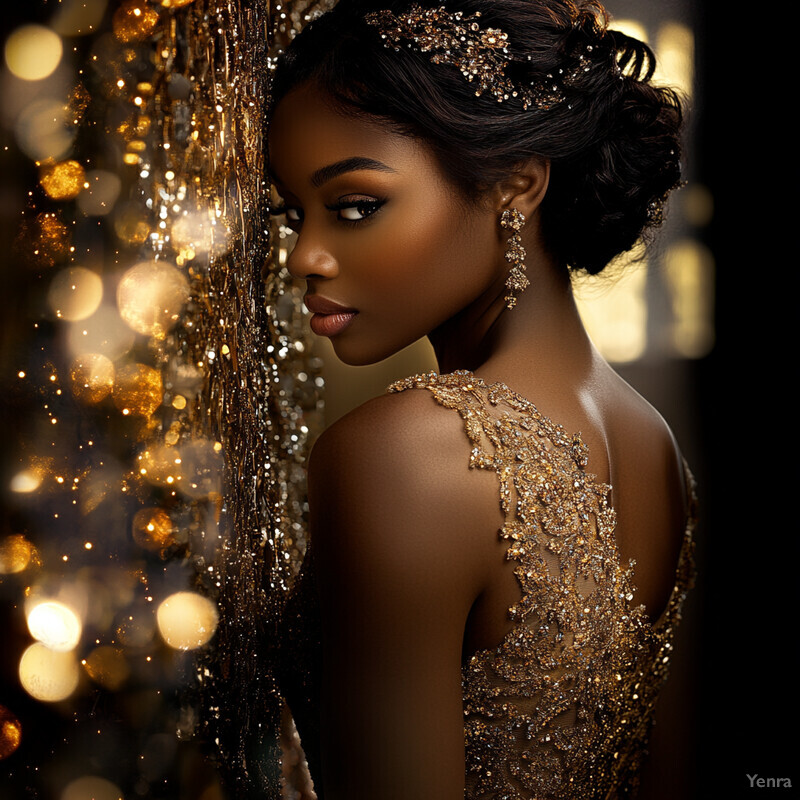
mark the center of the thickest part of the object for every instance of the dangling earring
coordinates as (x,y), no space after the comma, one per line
(517,280)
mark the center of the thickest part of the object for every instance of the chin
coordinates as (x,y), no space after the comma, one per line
(362,354)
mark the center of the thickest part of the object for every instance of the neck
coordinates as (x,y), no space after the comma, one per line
(542,336)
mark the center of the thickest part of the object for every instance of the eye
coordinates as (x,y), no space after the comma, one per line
(294,216)
(356,209)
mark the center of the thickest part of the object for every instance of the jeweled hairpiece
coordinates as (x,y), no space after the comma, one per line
(480,53)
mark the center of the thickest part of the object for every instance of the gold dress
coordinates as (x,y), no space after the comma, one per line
(563,706)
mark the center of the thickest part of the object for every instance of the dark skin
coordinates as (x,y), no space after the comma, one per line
(412,576)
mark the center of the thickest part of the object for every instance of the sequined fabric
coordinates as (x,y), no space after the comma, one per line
(563,706)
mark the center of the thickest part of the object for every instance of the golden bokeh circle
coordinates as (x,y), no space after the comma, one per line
(151,296)
(138,389)
(187,620)
(48,675)
(134,21)
(92,376)
(62,180)
(10,732)
(153,529)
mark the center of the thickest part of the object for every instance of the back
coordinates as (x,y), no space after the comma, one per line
(560,667)
(562,706)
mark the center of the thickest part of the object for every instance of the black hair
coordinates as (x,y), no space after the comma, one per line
(613,141)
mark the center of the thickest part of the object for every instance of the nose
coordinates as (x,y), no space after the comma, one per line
(310,258)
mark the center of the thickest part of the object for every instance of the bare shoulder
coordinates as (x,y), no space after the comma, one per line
(390,486)
(634,420)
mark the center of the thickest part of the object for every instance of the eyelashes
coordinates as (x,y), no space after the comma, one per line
(349,210)
(356,210)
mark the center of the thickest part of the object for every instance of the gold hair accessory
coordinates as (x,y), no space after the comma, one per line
(517,280)
(480,53)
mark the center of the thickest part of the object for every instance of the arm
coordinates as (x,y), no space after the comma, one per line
(399,566)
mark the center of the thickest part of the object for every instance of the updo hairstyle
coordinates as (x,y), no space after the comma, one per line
(613,141)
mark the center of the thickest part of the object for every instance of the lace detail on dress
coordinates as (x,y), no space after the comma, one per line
(563,706)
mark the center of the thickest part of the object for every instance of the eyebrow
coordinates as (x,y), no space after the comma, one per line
(325,174)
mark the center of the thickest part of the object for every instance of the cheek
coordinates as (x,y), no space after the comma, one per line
(442,255)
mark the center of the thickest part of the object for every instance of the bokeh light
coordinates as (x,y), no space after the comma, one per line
(26,481)
(134,20)
(16,554)
(130,224)
(615,314)
(187,620)
(75,293)
(78,17)
(104,332)
(33,52)
(153,529)
(55,625)
(48,675)
(160,464)
(10,732)
(43,130)
(151,296)
(107,667)
(62,180)
(91,787)
(92,377)
(138,389)
(43,241)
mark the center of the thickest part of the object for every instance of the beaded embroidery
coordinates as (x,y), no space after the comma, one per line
(562,708)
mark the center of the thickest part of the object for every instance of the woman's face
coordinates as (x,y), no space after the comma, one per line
(382,234)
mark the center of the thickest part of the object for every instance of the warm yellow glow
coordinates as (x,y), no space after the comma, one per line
(92,376)
(101,193)
(48,675)
(697,204)
(104,332)
(175,3)
(151,296)
(200,232)
(27,480)
(62,180)
(675,55)
(46,240)
(78,17)
(107,667)
(75,293)
(91,787)
(129,224)
(160,463)
(200,469)
(138,389)
(10,732)
(55,625)
(689,271)
(630,27)
(42,131)
(16,554)
(186,620)
(153,529)
(615,313)
(33,52)
(134,20)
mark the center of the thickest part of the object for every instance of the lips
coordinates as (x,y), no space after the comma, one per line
(329,317)
(321,305)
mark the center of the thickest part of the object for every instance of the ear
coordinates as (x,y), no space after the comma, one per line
(525,188)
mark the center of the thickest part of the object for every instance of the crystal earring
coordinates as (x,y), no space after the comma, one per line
(517,280)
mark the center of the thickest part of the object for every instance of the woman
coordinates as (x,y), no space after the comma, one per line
(447,168)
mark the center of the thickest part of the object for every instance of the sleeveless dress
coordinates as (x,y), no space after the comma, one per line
(563,705)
